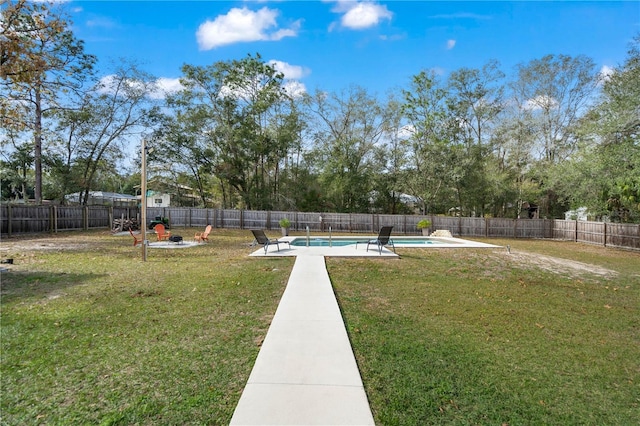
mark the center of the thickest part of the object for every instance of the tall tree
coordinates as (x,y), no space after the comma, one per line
(605,176)
(242,119)
(475,99)
(43,65)
(113,113)
(391,160)
(349,125)
(425,109)
(554,93)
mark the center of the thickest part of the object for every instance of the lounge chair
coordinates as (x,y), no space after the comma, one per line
(203,236)
(263,240)
(161,232)
(384,238)
(136,240)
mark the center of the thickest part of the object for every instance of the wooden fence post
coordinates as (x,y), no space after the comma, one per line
(55,219)
(241,219)
(9,220)
(604,241)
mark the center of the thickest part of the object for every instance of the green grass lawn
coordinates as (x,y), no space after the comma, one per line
(476,337)
(96,336)
(90,334)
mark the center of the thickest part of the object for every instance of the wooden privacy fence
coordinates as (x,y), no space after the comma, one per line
(19,219)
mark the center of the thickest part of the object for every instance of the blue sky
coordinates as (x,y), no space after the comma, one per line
(330,45)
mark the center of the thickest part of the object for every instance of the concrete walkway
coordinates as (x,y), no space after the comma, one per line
(305,373)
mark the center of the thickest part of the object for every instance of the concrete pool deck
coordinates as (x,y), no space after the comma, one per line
(306,372)
(360,250)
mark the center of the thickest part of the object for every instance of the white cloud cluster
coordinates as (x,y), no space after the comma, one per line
(158,89)
(292,73)
(295,88)
(606,72)
(359,15)
(243,25)
(289,71)
(541,102)
(165,86)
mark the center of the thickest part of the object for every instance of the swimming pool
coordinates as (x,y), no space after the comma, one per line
(347,241)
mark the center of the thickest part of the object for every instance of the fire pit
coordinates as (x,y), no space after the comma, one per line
(176,239)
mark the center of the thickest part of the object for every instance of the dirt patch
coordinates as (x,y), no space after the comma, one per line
(557,265)
(45,244)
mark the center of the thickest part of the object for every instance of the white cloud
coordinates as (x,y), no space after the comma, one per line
(406,131)
(360,15)
(289,71)
(393,37)
(451,44)
(158,89)
(165,86)
(292,73)
(101,22)
(541,102)
(606,72)
(294,88)
(243,25)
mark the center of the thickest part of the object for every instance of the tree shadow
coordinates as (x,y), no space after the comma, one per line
(27,284)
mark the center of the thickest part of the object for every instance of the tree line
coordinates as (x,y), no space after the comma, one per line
(551,135)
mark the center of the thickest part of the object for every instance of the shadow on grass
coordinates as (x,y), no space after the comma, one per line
(16,284)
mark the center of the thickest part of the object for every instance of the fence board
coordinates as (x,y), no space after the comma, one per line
(590,232)
(21,219)
(623,235)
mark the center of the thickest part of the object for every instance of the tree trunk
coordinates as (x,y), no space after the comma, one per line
(37,135)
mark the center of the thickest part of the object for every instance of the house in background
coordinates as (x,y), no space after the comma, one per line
(168,194)
(158,199)
(580,213)
(104,198)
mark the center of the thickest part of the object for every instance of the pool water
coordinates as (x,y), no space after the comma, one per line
(340,242)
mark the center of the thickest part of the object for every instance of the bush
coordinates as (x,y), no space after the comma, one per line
(424,223)
(285,223)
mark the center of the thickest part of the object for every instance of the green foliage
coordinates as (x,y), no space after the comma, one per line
(44,65)
(423,223)
(556,134)
(253,126)
(285,223)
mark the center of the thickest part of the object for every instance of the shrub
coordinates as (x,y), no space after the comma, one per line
(424,223)
(285,223)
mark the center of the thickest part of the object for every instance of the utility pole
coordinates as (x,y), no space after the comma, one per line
(143,201)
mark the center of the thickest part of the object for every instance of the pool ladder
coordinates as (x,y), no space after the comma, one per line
(309,238)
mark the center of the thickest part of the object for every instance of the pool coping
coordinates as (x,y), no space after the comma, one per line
(360,249)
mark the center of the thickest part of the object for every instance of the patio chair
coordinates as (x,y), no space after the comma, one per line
(203,236)
(263,240)
(161,232)
(136,240)
(384,238)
